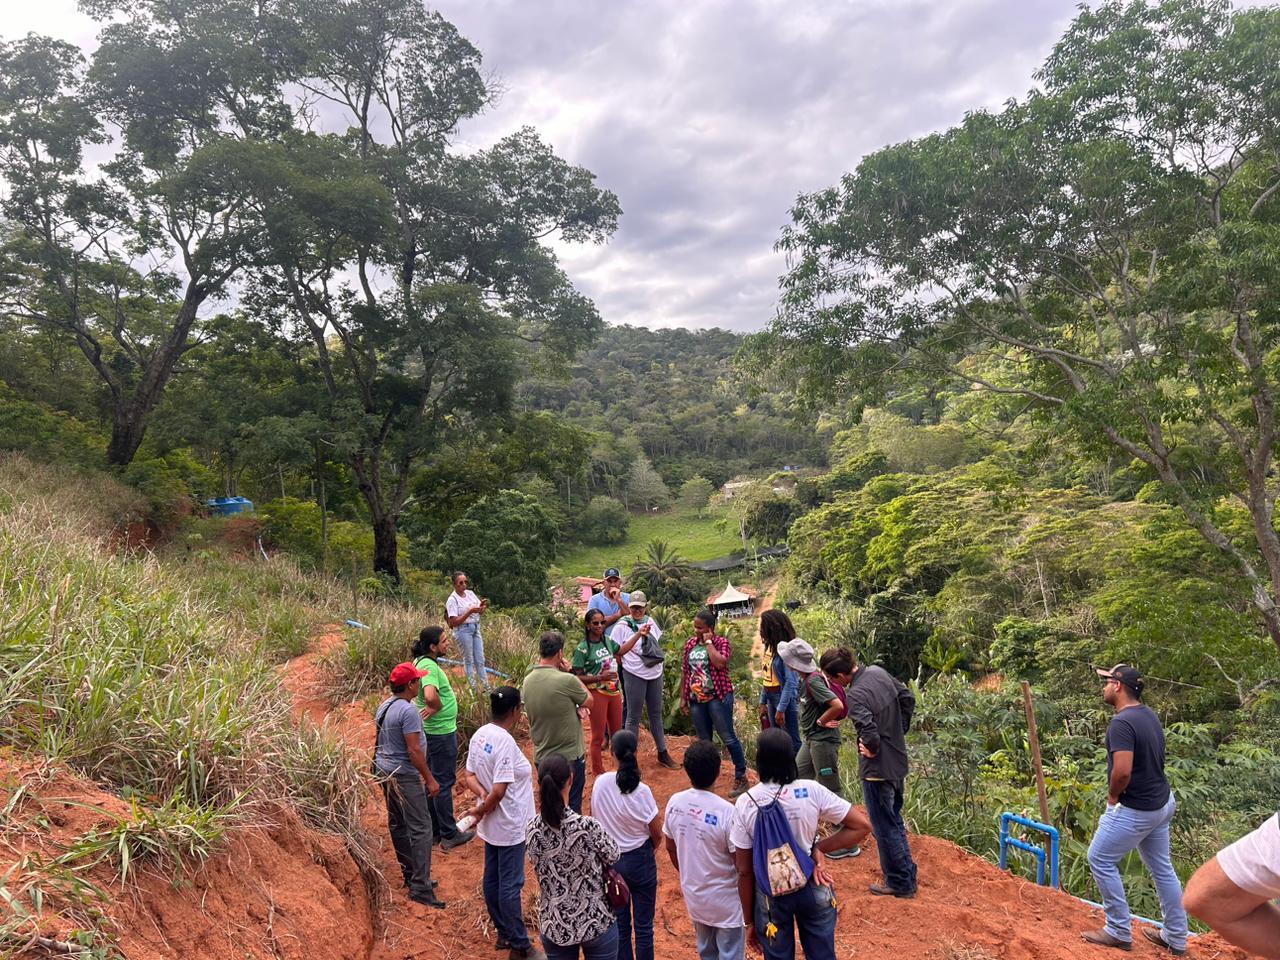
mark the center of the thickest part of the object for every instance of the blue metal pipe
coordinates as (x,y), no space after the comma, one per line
(1147,920)
(459,663)
(1055,845)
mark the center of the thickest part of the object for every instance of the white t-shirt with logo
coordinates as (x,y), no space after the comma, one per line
(631,661)
(805,802)
(699,822)
(495,757)
(624,816)
(458,604)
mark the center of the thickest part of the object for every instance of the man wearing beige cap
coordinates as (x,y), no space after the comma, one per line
(1140,807)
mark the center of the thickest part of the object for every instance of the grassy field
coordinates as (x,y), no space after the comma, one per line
(693,537)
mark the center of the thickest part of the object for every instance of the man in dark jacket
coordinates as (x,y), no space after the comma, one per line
(880,708)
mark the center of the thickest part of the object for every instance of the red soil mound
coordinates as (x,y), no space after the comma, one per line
(289,892)
(281,891)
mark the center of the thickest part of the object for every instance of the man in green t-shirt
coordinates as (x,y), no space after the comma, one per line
(439,708)
(553,702)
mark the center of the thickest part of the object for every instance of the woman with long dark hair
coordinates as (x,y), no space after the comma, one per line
(780,689)
(500,776)
(439,708)
(706,691)
(625,807)
(808,912)
(569,853)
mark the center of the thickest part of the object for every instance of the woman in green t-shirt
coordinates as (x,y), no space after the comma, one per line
(439,708)
(595,662)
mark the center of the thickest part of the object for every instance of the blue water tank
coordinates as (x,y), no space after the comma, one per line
(226,506)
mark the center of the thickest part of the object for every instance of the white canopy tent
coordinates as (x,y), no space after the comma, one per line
(732,602)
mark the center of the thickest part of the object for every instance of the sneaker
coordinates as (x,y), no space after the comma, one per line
(845,854)
(466,836)
(1157,937)
(884,890)
(1104,939)
(740,786)
(664,758)
(528,953)
(502,943)
(429,900)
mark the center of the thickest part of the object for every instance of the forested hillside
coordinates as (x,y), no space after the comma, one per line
(1015,417)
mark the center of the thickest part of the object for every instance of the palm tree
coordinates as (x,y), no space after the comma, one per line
(666,576)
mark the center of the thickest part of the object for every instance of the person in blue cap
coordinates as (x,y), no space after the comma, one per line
(612,602)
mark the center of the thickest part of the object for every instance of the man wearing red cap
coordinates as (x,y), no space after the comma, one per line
(401,764)
(1140,807)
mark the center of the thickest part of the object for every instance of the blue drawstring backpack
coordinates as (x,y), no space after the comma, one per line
(781,865)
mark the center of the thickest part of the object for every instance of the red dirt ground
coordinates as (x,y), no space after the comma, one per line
(289,892)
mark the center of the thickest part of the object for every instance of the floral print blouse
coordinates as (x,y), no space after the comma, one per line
(569,864)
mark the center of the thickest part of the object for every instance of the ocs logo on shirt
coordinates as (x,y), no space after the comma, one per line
(711,819)
(800,792)
(488,748)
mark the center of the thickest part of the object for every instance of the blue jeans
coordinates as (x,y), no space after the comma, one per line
(812,910)
(472,645)
(884,809)
(719,714)
(720,943)
(503,881)
(442,759)
(639,868)
(579,780)
(771,699)
(603,947)
(1120,830)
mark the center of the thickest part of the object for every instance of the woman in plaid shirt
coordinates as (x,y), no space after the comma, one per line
(706,691)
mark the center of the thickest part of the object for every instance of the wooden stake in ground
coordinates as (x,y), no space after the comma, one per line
(1035,752)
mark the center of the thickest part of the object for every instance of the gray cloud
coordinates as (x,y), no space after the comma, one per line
(708,118)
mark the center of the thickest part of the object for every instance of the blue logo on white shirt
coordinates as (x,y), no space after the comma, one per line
(711,818)
(488,748)
(800,792)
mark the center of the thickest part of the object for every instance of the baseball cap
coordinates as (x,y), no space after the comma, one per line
(612,572)
(1123,673)
(638,599)
(798,655)
(403,673)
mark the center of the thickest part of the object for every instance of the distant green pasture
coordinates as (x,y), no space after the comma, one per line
(693,537)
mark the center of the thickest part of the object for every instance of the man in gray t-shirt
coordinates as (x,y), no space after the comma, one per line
(401,764)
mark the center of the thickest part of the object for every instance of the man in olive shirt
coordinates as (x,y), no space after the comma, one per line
(554,703)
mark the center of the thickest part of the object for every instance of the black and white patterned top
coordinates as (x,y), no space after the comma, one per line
(569,866)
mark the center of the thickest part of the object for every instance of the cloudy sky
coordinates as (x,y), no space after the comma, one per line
(708,117)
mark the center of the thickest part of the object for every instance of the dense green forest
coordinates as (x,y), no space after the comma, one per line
(1024,369)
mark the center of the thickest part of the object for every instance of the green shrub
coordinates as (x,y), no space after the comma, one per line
(45,434)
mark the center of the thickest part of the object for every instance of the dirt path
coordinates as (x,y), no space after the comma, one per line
(765,602)
(967,909)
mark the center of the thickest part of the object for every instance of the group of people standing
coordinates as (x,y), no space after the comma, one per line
(751,866)
(614,678)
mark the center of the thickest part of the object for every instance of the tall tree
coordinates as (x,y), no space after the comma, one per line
(1106,248)
(121,255)
(422,279)
(645,488)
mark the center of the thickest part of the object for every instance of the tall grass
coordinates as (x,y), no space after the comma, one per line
(155,682)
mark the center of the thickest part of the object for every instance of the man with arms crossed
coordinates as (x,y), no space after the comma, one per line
(1140,807)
